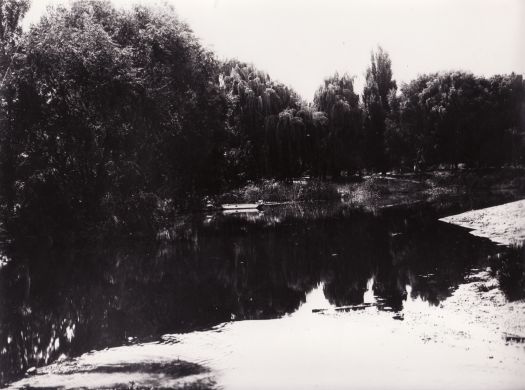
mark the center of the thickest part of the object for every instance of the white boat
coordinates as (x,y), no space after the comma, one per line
(241,206)
(243,211)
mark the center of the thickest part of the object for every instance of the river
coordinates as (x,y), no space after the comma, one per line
(302,296)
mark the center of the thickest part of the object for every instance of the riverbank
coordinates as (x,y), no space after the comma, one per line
(503,224)
(377,191)
(472,340)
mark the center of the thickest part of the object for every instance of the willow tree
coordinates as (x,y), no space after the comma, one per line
(314,149)
(378,86)
(336,97)
(258,105)
(116,111)
(12,13)
(457,117)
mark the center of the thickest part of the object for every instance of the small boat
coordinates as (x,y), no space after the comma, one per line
(242,206)
(242,211)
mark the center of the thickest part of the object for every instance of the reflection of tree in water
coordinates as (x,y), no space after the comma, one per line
(509,267)
(99,296)
(357,246)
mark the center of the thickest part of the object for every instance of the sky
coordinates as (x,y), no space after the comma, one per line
(301,42)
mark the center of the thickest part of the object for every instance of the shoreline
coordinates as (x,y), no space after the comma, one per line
(503,224)
(378,190)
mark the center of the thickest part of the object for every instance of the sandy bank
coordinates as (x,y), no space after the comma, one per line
(503,224)
(465,343)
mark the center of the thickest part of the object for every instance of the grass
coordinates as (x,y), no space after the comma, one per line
(376,191)
(482,178)
(280,191)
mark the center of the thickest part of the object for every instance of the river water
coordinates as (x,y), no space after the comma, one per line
(318,296)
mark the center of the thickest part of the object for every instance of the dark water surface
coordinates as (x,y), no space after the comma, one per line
(229,267)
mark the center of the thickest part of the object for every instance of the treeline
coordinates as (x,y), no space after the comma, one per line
(439,119)
(116,118)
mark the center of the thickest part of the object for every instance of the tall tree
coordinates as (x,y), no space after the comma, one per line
(260,119)
(336,97)
(12,13)
(378,86)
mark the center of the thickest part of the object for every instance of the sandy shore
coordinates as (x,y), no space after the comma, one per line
(457,345)
(503,224)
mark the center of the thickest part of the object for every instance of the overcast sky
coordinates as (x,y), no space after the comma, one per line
(300,42)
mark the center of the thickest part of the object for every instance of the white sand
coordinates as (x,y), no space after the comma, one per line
(503,224)
(457,345)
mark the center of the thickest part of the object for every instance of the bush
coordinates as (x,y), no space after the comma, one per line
(279,191)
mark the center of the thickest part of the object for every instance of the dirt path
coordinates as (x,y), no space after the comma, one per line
(503,224)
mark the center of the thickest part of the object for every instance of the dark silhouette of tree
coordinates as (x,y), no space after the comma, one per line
(116,113)
(336,97)
(12,13)
(378,86)
(265,133)
(456,117)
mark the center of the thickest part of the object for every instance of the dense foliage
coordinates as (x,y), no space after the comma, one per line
(456,117)
(378,89)
(113,115)
(114,119)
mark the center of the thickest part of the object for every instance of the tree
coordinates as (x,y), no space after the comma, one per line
(336,97)
(260,122)
(456,117)
(116,111)
(12,13)
(378,86)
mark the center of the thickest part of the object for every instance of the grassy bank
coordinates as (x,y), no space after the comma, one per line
(384,190)
(303,190)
